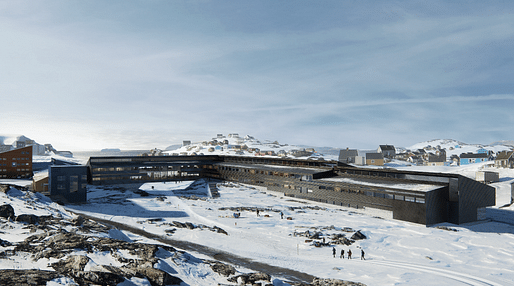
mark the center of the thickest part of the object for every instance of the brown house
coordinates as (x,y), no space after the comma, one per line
(16,164)
(376,159)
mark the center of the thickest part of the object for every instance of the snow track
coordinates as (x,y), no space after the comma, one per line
(457,276)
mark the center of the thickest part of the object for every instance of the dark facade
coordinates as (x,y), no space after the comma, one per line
(68,183)
(136,169)
(16,164)
(425,198)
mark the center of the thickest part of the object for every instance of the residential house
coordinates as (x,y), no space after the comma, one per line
(387,151)
(471,158)
(504,159)
(437,159)
(376,159)
(348,155)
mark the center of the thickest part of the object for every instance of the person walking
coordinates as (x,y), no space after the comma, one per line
(342,254)
(349,254)
(257,212)
(334,252)
(281,215)
(362,254)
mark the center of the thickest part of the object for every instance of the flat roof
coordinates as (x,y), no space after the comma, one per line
(389,184)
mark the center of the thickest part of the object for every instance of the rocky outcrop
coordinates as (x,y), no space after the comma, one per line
(334,282)
(7,211)
(11,277)
(251,278)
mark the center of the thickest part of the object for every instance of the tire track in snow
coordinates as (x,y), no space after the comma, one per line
(457,276)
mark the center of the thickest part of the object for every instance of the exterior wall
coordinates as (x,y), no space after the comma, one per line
(409,211)
(473,195)
(16,163)
(40,186)
(68,183)
(437,206)
(375,162)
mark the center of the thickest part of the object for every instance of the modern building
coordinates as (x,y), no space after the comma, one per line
(419,197)
(16,164)
(68,183)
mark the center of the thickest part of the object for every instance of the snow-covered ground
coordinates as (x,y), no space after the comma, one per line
(397,252)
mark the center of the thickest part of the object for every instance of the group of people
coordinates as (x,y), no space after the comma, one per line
(349,253)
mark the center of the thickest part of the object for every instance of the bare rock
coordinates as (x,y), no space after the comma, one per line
(358,235)
(334,282)
(96,278)
(74,262)
(28,218)
(250,278)
(222,268)
(158,277)
(11,277)
(6,211)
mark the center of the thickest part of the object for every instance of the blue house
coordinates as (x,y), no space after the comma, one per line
(471,158)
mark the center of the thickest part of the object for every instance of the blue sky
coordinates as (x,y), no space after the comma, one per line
(145,74)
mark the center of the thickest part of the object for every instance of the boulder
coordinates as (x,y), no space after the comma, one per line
(158,277)
(6,211)
(74,262)
(28,218)
(222,268)
(250,278)
(358,235)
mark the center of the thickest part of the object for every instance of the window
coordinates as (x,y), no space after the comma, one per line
(61,178)
(74,183)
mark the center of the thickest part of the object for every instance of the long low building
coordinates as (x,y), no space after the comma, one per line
(425,198)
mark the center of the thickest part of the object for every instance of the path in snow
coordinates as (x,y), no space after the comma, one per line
(457,276)
(279,272)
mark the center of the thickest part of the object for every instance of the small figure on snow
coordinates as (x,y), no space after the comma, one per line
(334,252)
(342,254)
(281,215)
(257,212)
(362,254)
(349,254)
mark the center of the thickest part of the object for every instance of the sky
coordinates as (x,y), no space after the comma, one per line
(87,75)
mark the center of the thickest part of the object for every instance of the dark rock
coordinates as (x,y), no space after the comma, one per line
(74,262)
(179,224)
(334,282)
(11,277)
(4,243)
(78,221)
(190,225)
(358,235)
(222,268)
(220,230)
(6,211)
(250,278)
(95,278)
(28,218)
(158,277)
